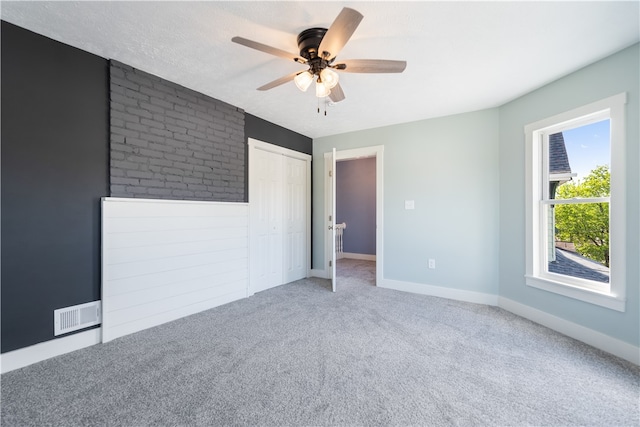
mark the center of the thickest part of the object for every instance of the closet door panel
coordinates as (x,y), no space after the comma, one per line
(268,207)
(275,202)
(295,219)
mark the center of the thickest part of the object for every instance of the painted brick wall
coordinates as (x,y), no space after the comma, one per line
(171,142)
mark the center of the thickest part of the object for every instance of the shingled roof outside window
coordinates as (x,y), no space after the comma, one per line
(558,159)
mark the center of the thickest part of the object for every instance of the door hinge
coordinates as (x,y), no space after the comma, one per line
(330,173)
(330,263)
(329,217)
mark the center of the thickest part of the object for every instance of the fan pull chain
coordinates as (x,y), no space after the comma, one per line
(325,106)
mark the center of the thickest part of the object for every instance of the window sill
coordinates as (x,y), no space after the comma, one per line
(607,300)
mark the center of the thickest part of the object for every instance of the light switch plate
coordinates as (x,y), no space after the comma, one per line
(409,204)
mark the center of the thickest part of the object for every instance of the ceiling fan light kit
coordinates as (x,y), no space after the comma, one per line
(329,78)
(303,80)
(319,48)
(321,89)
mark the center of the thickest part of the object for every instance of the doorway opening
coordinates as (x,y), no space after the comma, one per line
(356,219)
(362,241)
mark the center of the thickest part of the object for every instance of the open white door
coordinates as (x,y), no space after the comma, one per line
(330,159)
(332,220)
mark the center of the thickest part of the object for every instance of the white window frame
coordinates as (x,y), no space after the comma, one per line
(612,295)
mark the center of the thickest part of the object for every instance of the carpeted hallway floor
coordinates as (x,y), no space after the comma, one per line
(301,355)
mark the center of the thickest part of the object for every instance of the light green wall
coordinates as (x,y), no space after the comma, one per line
(449,167)
(615,74)
(466,175)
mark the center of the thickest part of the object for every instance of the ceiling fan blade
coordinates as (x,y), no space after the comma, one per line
(339,33)
(371,66)
(336,94)
(278,82)
(268,49)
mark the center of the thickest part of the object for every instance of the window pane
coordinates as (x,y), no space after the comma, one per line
(579,234)
(578,158)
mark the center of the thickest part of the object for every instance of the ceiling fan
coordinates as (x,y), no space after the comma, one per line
(319,48)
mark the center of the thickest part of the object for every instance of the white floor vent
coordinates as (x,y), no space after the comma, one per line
(80,316)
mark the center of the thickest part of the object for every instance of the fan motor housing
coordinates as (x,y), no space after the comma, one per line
(309,41)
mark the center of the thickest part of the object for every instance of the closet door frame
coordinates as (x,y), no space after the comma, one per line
(254,144)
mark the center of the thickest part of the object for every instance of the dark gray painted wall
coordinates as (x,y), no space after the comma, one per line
(54,170)
(265,131)
(171,142)
(356,204)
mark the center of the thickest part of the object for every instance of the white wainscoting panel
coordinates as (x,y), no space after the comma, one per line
(165,259)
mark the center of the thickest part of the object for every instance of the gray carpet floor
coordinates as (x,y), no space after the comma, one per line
(300,355)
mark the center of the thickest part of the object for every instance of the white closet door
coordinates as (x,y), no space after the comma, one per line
(295,214)
(269,201)
(279,206)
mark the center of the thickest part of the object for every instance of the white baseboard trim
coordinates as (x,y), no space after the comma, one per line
(439,291)
(319,273)
(595,339)
(363,257)
(26,356)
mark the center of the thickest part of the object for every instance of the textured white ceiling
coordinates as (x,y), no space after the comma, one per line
(461,56)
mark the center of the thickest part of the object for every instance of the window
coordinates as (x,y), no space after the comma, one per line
(575,203)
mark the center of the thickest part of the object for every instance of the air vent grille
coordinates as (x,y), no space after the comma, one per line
(76,317)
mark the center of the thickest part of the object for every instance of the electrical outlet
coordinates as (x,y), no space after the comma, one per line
(432,263)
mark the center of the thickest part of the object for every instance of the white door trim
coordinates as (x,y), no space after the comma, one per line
(376,151)
(277,149)
(254,144)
